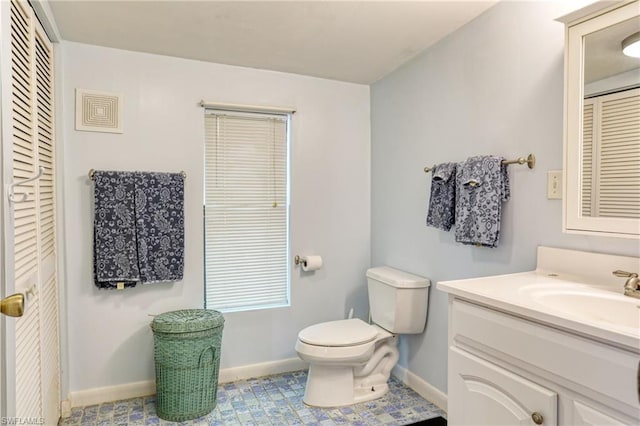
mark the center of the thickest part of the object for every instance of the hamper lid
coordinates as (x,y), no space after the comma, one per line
(187,320)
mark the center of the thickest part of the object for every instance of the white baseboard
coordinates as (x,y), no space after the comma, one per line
(65,408)
(148,387)
(421,386)
(262,369)
(112,393)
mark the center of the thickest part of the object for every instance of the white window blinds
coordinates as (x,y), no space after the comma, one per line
(611,153)
(246,211)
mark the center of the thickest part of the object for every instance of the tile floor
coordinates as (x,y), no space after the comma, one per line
(272,400)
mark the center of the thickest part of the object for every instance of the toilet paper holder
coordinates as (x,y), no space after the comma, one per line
(300,260)
(308,263)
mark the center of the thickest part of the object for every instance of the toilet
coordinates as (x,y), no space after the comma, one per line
(350,361)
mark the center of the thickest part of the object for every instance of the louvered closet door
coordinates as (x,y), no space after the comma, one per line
(48,282)
(36,338)
(610,155)
(587,159)
(28,395)
(619,177)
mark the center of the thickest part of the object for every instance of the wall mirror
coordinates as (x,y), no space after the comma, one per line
(602,123)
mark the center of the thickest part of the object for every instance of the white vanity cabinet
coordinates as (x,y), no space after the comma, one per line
(505,369)
(559,345)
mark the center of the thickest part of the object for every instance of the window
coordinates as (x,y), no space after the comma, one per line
(246,211)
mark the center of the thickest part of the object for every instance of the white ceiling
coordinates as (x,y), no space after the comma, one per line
(603,51)
(356,41)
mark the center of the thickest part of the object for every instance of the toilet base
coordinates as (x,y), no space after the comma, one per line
(370,393)
(329,386)
(333,386)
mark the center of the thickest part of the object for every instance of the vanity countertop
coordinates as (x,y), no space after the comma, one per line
(594,307)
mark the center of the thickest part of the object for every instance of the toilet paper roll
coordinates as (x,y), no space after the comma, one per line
(311,263)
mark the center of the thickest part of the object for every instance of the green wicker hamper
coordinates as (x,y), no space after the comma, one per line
(187,357)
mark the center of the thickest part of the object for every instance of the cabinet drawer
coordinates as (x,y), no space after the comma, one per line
(606,370)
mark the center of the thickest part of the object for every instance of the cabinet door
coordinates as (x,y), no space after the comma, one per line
(481,393)
(584,415)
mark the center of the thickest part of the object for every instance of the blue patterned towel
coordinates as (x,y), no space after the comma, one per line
(138,228)
(115,257)
(442,200)
(160,226)
(482,185)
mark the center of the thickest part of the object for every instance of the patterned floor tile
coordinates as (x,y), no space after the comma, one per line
(266,401)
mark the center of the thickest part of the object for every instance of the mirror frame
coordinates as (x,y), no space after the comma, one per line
(576,29)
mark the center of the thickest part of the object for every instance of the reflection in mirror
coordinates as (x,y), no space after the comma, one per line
(610,149)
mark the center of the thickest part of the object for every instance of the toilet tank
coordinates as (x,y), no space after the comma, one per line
(398,300)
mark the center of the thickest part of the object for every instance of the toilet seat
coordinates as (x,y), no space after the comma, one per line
(339,333)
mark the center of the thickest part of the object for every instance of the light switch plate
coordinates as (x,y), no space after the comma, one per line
(554,184)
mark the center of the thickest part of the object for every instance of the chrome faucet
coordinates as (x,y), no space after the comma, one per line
(632,285)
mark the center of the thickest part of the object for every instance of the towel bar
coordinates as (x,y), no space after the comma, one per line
(530,161)
(92,171)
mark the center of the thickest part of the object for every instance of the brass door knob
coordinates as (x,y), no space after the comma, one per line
(537,418)
(13,305)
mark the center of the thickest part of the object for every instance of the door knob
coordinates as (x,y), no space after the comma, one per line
(13,305)
(537,418)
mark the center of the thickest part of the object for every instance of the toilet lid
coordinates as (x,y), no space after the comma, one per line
(339,333)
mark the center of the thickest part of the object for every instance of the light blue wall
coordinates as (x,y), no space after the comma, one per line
(110,341)
(493,87)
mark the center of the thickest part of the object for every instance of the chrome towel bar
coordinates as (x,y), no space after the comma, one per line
(92,171)
(530,161)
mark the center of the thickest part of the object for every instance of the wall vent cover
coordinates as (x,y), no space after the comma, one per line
(98,111)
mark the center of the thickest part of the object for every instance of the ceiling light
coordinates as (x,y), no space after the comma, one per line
(631,45)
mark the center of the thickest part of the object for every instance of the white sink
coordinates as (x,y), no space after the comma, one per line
(569,290)
(615,310)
